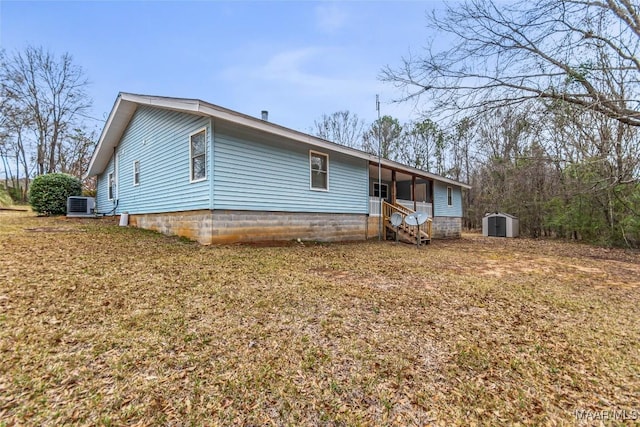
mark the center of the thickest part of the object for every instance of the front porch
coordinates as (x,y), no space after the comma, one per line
(403,193)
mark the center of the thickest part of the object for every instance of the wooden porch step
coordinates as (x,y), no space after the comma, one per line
(408,234)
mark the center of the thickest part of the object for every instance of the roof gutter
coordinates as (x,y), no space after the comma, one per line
(120,117)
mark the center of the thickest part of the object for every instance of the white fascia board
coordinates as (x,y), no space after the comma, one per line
(277,130)
(98,149)
(119,122)
(274,129)
(176,104)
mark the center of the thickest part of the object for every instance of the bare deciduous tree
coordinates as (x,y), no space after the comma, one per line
(50,93)
(75,155)
(385,134)
(582,52)
(422,141)
(341,127)
(14,124)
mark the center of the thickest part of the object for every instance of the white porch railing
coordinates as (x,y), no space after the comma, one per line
(420,206)
(374,206)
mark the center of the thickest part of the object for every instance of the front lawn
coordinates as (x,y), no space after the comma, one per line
(102,325)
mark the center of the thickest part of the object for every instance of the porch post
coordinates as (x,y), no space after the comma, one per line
(394,192)
(413,191)
(433,209)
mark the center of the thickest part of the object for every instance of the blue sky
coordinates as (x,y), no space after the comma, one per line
(297,59)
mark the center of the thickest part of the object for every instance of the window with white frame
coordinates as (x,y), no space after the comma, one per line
(111,186)
(198,155)
(449,196)
(319,170)
(383,187)
(136,172)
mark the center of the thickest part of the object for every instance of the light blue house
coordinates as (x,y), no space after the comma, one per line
(190,168)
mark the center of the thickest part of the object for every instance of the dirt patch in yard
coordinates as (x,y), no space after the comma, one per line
(52,230)
(503,258)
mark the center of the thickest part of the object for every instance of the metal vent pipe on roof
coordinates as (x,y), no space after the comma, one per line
(265,115)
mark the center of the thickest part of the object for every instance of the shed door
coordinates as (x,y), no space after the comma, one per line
(497,226)
(501,226)
(491,226)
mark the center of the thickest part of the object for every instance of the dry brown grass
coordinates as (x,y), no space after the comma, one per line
(101,325)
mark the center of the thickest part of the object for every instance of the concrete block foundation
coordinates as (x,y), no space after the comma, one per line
(222,226)
(445,227)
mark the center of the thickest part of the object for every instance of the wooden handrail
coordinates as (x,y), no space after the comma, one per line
(428,226)
(389,209)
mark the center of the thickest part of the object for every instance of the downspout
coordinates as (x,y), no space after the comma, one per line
(116,178)
(211,178)
(379,172)
(211,164)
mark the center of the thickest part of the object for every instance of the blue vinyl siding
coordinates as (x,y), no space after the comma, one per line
(159,140)
(252,172)
(440,205)
(246,170)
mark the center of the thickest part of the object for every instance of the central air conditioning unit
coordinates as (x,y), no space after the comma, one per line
(80,206)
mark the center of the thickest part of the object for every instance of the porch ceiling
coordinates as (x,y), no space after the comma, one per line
(386,174)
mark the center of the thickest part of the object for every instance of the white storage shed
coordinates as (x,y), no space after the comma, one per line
(498,224)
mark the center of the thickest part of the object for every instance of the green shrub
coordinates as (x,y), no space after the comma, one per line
(48,193)
(5,199)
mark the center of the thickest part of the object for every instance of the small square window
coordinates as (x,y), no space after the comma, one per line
(376,190)
(136,172)
(319,169)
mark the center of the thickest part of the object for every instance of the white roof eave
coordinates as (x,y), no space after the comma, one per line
(127,103)
(115,126)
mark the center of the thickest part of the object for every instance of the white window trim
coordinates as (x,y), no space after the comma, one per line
(311,187)
(206,175)
(110,192)
(449,192)
(386,190)
(136,162)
